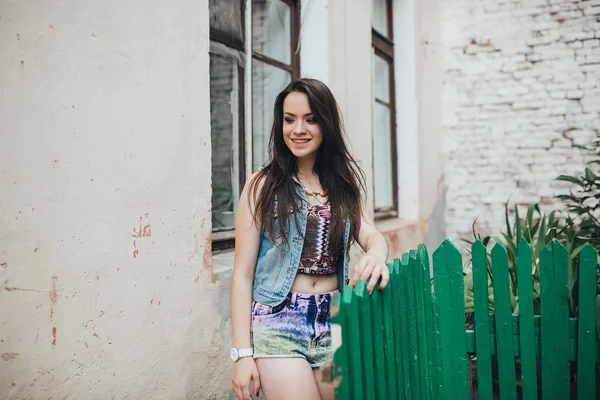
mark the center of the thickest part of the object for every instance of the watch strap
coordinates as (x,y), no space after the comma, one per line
(245,352)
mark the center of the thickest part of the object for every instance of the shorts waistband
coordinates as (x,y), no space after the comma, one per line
(317,298)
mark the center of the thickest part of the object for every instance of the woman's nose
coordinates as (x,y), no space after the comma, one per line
(299,128)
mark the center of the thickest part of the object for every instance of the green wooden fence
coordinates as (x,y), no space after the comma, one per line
(410,341)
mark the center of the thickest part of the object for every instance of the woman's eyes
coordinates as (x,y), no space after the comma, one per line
(310,120)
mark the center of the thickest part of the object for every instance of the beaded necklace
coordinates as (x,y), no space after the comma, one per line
(312,193)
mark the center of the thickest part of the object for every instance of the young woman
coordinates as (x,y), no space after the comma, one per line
(296,219)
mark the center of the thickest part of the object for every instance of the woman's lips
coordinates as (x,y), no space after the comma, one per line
(300,141)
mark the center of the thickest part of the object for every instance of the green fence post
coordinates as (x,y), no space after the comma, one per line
(378,343)
(449,288)
(555,322)
(399,330)
(503,312)
(421,328)
(340,355)
(482,320)
(586,351)
(411,326)
(366,339)
(391,336)
(526,333)
(431,375)
(405,334)
(352,336)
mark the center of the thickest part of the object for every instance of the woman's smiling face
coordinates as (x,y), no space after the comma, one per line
(301,131)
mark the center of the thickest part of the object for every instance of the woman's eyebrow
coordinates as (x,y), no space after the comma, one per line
(292,115)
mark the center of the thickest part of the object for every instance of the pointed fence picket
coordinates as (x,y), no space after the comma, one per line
(410,341)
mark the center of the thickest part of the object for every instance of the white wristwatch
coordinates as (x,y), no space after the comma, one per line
(236,354)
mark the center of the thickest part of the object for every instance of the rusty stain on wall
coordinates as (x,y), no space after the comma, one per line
(53,297)
(203,248)
(92,320)
(157,301)
(141,232)
(15,289)
(207,257)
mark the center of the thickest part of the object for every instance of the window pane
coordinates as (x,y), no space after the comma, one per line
(224,133)
(382,163)
(226,18)
(267,82)
(380,17)
(381,78)
(271,29)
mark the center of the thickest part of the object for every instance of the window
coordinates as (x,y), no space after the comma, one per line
(275,61)
(384,121)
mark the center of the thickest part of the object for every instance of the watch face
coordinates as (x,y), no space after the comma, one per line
(234,354)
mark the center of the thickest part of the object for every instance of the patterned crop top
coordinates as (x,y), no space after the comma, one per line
(316,258)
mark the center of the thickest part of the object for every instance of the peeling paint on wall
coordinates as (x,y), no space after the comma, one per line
(53,297)
(144,231)
(9,356)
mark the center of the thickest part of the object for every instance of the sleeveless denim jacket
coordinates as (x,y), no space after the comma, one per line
(276,267)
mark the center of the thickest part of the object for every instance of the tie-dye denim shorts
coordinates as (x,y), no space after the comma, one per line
(297,328)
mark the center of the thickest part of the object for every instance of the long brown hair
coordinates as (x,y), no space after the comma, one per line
(338,172)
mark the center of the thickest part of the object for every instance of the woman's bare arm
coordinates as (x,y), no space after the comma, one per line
(247,241)
(372,264)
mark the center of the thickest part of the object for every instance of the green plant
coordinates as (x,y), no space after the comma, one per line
(538,229)
(583,203)
(582,224)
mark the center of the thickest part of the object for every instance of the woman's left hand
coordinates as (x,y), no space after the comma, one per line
(372,267)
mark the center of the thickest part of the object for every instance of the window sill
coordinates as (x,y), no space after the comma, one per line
(385,214)
(394,224)
(223,239)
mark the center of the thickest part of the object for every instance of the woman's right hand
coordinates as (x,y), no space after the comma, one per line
(244,371)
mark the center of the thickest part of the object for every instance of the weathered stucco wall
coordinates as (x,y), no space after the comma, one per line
(350,78)
(431,176)
(106,288)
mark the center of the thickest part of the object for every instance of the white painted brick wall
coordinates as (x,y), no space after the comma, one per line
(522,86)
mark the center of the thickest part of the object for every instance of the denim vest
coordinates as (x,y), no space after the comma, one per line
(276,267)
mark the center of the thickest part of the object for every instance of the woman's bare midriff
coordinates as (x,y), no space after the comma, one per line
(313,284)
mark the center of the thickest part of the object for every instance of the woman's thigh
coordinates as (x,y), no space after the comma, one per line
(326,390)
(287,378)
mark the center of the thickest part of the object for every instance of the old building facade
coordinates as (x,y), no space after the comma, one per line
(128,129)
